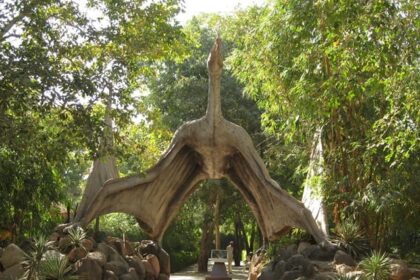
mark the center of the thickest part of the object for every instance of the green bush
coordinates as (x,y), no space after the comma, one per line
(182,259)
(350,238)
(376,267)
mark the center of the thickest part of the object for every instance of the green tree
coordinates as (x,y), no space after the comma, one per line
(352,68)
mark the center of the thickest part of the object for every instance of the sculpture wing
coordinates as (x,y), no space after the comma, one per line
(275,210)
(154,198)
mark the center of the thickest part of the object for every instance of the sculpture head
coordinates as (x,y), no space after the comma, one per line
(215,60)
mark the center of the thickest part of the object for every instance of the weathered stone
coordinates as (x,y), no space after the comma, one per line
(13,272)
(267,274)
(320,253)
(326,276)
(415,273)
(11,256)
(343,269)
(291,275)
(88,268)
(64,244)
(137,264)
(399,270)
(279,269)
(149,269)
(52,254)
(77,254)
(148,247)
(133,273)
(88,244)
(55,236)
(300,263)
(355,275)
(110,275)
(322,266)
(154,262)
(110,253)
(164,261)
(119,268)
(129,276)
(342,257)
(302,246)
(163,277)
(98,257)
(123,248)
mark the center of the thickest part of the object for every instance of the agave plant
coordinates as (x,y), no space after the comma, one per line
(376,267)
(350,238)
(33,259)
(344,277)
(55,268)
(77,234)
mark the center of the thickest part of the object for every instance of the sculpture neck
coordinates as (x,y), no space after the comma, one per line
(214,106)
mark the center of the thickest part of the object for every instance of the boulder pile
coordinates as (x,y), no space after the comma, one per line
(112,258)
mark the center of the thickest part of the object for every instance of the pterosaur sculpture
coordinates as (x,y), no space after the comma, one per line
(207,148)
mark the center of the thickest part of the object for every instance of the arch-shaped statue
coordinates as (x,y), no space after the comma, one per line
(207,148)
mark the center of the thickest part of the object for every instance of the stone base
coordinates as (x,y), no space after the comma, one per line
(218,272)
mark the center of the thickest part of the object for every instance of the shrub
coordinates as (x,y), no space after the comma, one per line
(350,238)
(376,267)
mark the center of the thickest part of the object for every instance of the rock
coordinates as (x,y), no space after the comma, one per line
(136,263)
(110,275)
(129,276)
(355,275)
(119,268)
(399,270)
(13,272)
(316,252)
(415,273)
(342,257)
(149,269)
(286,253)
(343,269)
(326,276)
(11,256)
(148,247)
(64,244)
(110,253)
(76,254)
(55,236)
(154,262)
(1,251)
(300,263)
(88,244)
(52,254)
(267,274)
(279,269)
(164,261)
(98,257)
(163,277)
(133,273)
(291,275)
(88,268)
(323,266)
(123,248)
(302,246)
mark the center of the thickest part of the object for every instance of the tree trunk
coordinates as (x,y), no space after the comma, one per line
(205,245)
(217,220)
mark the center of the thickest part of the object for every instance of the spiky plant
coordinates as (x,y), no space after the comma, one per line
(55,268)
(77,234)
(33,259)
(376,267)
(350,238)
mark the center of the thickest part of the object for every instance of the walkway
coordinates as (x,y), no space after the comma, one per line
(190,273)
